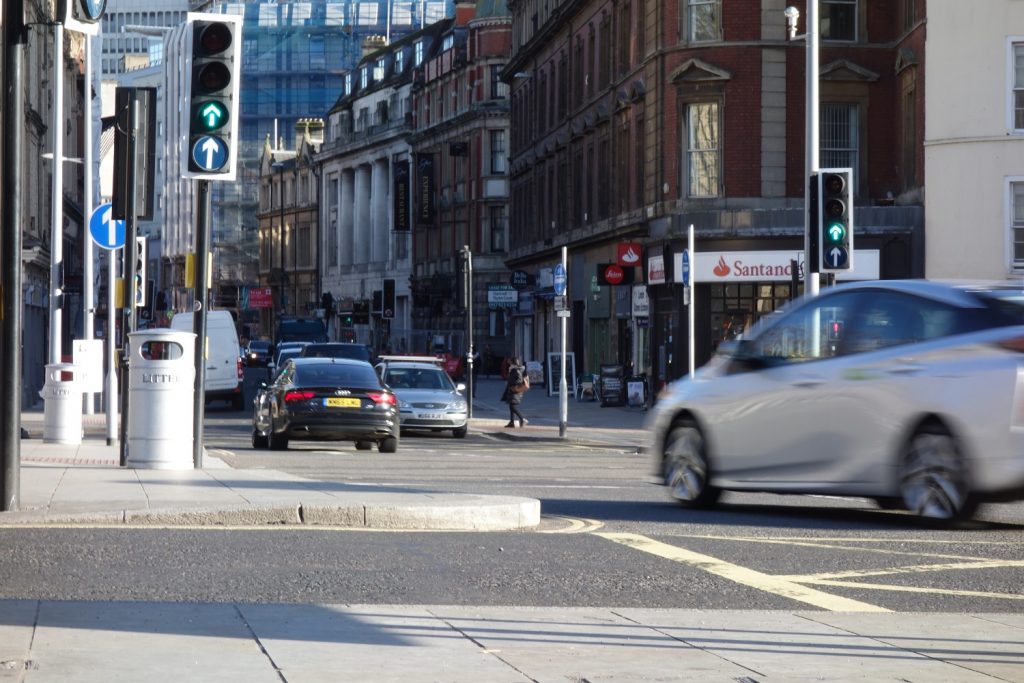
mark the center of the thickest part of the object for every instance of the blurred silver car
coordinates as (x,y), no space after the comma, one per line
(907,392)
(427,398)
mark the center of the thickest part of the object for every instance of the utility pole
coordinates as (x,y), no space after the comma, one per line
(57,199)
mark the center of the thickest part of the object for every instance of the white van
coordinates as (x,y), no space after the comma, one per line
(223,364)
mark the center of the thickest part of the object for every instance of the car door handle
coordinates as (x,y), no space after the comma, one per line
(807,382)
(905,369)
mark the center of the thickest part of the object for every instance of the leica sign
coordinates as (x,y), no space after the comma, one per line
(613,274)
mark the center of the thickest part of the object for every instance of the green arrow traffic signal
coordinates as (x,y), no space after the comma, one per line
(211,115)
(836,232)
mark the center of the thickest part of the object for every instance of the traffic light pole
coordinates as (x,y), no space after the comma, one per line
(14,42)
(201,300)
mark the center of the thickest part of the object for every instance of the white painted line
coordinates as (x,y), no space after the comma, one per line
(742,575)
(917,589)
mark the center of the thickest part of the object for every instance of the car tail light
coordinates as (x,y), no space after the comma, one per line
(238,366)
(293,396)
(383,399)
(1012,344)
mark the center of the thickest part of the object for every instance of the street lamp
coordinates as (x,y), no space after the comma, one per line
(811,161)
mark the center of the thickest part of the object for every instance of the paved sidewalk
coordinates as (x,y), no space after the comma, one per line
(43,641)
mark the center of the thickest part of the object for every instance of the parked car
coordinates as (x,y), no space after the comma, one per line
(337,350)
(326,399)
(258,353)
(907,392)
(427,398)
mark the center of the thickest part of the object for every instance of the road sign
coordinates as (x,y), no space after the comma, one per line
(106,232)
(836,258)
(686,266)
(559,280)
(209,153)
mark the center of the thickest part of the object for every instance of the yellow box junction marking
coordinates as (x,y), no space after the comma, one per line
(742,575)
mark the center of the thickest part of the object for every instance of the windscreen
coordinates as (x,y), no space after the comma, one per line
(336,375)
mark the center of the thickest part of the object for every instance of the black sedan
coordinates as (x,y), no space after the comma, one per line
(257,353)
(326,399)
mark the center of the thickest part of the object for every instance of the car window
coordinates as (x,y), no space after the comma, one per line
(888,319)
(329,374)
(810,332)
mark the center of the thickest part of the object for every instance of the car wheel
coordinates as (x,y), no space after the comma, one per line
(259,440)
(364,445)
(934,481)
(278,442)
(388,445)
(460,432)
(685,467)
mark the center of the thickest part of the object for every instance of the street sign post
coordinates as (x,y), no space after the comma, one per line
(106,231)
(559,280)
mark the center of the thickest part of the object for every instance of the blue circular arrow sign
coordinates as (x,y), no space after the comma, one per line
(209,152)
(107,232)
(836,257)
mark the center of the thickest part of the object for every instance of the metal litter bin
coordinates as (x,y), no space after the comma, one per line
(161,379)
(62,414)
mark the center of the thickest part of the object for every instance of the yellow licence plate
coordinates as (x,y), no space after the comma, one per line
(342,402)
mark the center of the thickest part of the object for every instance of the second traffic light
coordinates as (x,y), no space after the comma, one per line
(212,96)
(835,219)
(139,287)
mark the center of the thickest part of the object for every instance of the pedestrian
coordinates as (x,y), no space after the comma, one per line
(515,386)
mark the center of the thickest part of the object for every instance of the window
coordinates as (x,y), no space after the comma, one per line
(1017,114)
(378,71)
(702,149)
(811,332)
(703,20)
(839,136)
(364,77)
(838,19)
(1017,227)
(348,84)
(417,53)
(499,160)
(399,61)
(498,89)
(448,42)
(498,222)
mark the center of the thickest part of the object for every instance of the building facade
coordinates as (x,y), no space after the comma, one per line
(633,120)
(974,142)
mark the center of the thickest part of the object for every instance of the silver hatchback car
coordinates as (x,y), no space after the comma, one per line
(907,392)
(427,398)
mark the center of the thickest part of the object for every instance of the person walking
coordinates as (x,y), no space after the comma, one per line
(515,386)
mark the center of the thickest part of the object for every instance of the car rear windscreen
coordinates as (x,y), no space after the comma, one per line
(332,375)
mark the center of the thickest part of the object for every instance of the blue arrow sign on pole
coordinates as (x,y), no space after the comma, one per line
(836,257)
(686,266)
(559,280)
(210,153)
(106,232)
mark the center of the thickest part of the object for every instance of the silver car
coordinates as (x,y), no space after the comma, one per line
(907,392)
(427,398)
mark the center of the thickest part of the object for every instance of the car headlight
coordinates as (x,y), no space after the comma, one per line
(457,406)
(402,405)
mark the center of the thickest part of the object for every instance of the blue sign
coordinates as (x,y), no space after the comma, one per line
(686,266)
(105,231)
(209,153)
(559,280)
(836,257)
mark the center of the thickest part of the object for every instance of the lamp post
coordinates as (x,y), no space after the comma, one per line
(811,159)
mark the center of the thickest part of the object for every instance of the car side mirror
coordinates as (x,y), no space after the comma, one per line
(460,387)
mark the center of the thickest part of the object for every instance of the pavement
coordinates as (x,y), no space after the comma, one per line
(43,640)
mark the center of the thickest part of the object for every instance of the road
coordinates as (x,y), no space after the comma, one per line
(609,538)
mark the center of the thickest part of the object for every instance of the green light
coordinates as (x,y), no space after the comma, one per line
(210,115)
(835,232)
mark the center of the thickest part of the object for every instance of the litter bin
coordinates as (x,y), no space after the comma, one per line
(62,413)
(161,386)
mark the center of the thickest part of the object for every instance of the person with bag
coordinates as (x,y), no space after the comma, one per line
(515,386)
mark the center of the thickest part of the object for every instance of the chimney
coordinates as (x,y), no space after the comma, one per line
(464,12)
(373,43)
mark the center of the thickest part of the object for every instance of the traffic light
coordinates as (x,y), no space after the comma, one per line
(835,218)
(388,306)
(347,319)
(140,272)
(361,312)
(211,102)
